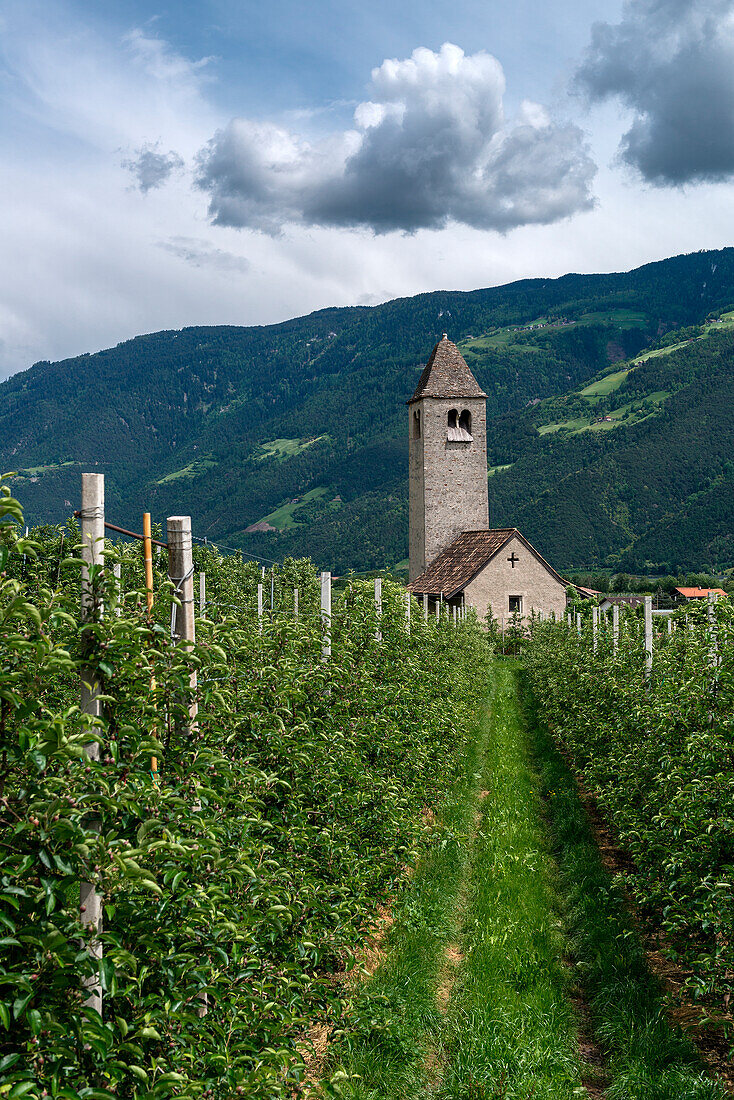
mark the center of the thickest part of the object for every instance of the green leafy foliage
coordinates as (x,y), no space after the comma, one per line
(657,754)
(237,886)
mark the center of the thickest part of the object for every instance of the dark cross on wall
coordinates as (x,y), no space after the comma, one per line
(512,559)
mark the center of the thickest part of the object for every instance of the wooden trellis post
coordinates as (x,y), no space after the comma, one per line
(326,614)
(92,536)
(378,609)
(648,635)
(148,566)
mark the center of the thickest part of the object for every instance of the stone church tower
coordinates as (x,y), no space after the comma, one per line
(447,456)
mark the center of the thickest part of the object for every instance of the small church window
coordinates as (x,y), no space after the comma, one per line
(515,604)
(459,427)
(417,424)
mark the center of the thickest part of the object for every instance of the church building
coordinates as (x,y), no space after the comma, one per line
(453,554)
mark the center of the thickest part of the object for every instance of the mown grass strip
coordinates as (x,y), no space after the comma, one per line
(397,1019)
(647,1058)
(511,1030)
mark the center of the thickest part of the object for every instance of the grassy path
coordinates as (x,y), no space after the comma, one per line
(511,929)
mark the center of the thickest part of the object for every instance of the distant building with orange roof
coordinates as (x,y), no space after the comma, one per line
(698,593)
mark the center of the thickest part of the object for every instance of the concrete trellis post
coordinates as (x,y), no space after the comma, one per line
(407,611)
(181,572)
(425,606)
(260,607)
(594,627)
(438,609)
(454,610)
(648,635)
(711,617)
(183,627)
(378,609)
(615,627)
(92,536)
(117,573)
(202,594)
(326,614)
(578,623)
(568,619)
(669,625)
(295,604)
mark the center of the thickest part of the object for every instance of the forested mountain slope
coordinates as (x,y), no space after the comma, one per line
(650,489)
(299,428)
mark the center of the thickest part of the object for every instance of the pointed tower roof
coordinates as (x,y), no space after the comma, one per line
(446,374)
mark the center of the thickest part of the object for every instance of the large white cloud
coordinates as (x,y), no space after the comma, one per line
(672,63)
(431,146)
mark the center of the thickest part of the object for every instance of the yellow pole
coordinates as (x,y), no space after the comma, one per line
(148,557)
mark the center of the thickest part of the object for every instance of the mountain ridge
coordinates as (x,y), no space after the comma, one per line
(212,420)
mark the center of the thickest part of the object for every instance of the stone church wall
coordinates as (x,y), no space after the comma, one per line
(529,578)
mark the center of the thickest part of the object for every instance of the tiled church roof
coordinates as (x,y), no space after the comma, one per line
(446,374)
(467,555)
(455,566)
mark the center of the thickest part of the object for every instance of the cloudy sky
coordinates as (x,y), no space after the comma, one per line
(241,162)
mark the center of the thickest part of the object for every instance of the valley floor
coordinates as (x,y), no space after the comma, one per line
(512,968)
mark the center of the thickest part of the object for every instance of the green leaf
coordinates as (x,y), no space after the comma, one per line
(107,974)
(148,1033)
(38,759)
(21,1089)
(19,1005)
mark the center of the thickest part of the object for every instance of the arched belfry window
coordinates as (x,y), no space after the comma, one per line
(459,427)
(416,424)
